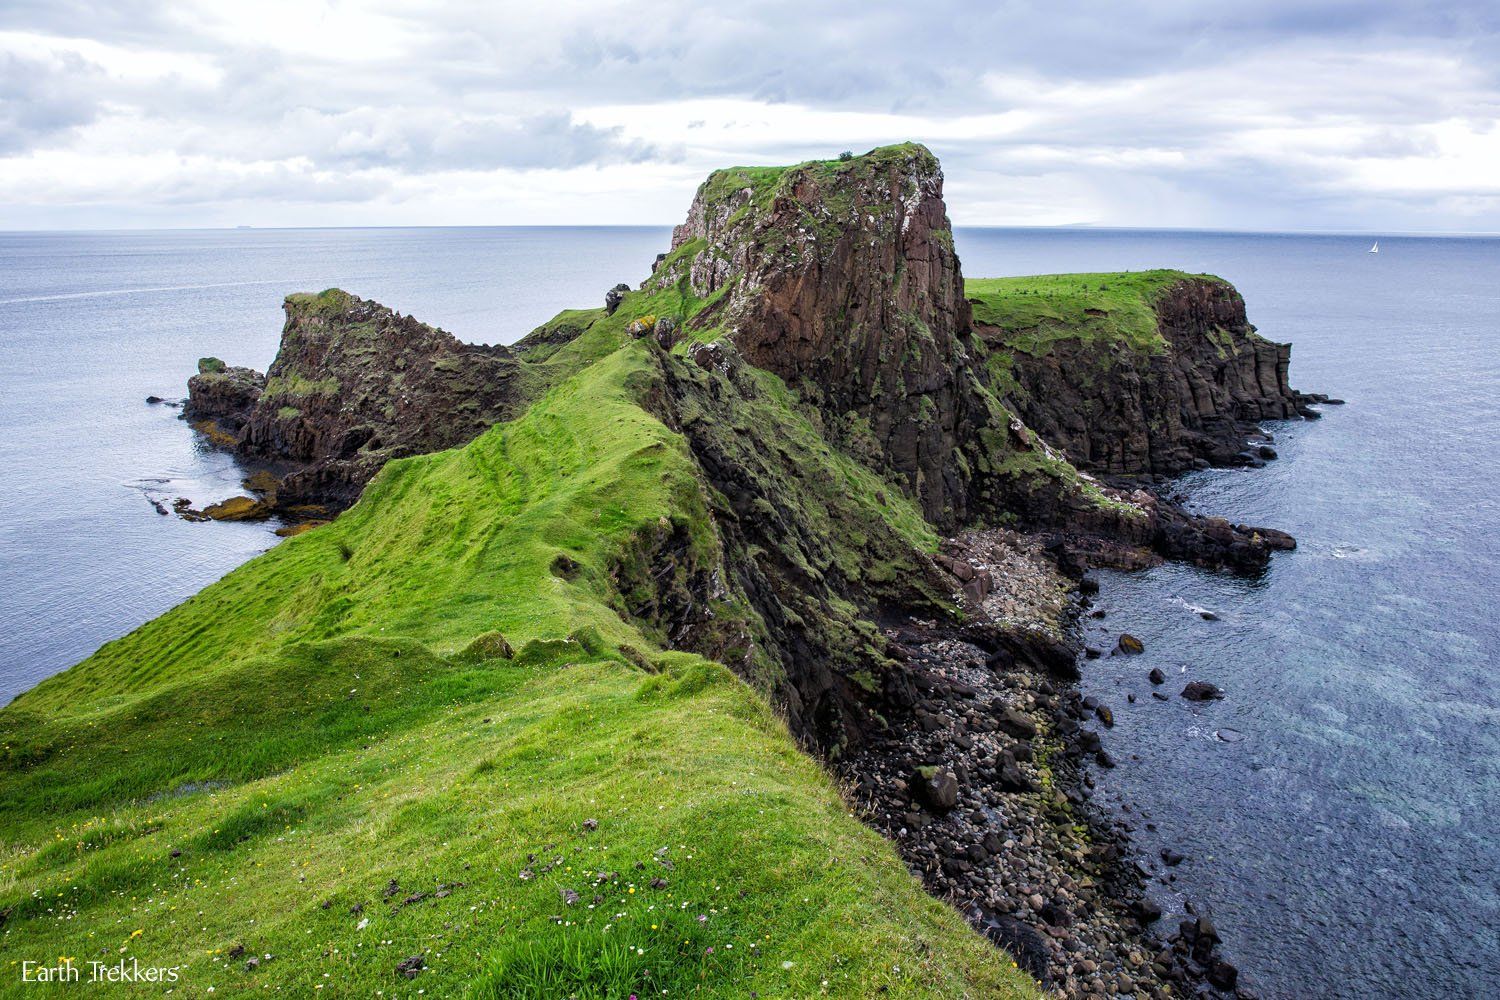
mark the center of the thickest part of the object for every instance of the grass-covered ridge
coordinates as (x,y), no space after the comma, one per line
(1029,314)
(327,760)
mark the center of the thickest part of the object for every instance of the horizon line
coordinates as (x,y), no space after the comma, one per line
(1070,226)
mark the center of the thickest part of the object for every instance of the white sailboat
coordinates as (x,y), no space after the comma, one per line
(1375,248)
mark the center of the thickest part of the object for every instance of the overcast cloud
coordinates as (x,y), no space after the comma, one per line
(1376,115)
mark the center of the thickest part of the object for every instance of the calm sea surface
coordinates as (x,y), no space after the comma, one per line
(1340,808)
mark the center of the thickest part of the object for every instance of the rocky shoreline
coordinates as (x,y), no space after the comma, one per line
(985,787)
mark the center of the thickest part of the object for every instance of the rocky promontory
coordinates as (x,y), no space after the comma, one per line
(353,385)
(1152,372)
(884,482)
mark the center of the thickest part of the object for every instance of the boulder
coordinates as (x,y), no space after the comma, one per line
(1201,691)
(1017,724)
(937,788)
(1129,645)
(614,297)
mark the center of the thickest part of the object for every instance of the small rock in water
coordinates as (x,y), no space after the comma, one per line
(1106,715)
(1156,676)
(1208,616)
(1223,975)
(1129,645)
(1172,858)
(1201,691)
(1230,735)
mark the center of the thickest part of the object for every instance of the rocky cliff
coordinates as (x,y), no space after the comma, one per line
(1135,373)
(841,278)
(354,384)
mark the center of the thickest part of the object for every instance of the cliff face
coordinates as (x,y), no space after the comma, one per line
(841,278)
(1186,390)
(354,385)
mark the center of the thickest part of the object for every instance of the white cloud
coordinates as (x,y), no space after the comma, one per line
(1346,115)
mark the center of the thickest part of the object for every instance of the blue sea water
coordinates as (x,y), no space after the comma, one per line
(1340,808)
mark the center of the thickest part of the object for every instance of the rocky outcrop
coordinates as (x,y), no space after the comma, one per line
(222,395)
(841,278)
(354,385)
(1191,397)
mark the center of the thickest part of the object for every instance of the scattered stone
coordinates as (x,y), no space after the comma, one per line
(1201,691)
(937,788)
(1156,676)
(1106,715)
(1056,915)
(409,967)
(1223,975)
(1172,858)
(1016,724)
(1129,645)
(1146,911)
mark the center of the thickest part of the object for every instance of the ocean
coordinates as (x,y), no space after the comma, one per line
(1340,808)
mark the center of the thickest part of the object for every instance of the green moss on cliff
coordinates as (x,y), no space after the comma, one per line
(295,386)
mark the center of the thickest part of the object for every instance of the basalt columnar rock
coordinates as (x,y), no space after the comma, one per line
(840,277)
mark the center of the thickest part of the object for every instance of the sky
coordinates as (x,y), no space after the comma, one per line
(1376,116)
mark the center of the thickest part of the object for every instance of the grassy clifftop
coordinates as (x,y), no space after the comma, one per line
(1030,313)
(328,763)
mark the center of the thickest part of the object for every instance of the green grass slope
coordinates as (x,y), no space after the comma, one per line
(329,763)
